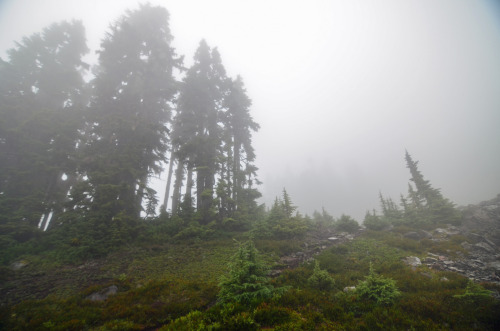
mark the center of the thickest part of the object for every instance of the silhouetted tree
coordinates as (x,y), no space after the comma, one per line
(41,100)
(129,112)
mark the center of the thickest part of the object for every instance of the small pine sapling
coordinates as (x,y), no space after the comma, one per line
(378,288)
(247,281)
(321,279)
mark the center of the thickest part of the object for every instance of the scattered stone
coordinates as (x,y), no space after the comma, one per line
(412,261)
(475,237)
(444,279)
(333,239)
(349,289)
(466,245)
(494,265)
(486,247)
(103,294)
(430,260)
(425,234)
(18,265)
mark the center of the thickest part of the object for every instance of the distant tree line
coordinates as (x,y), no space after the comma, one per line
(74,150)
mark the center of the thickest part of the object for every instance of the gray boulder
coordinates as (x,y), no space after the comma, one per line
(103,294)
(412,261)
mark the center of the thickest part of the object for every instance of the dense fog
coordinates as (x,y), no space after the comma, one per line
(340,89)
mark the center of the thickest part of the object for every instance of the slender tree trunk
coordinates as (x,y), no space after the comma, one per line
(236,172)
(189,183)
(169,180)
(200,187)
(179,178)
(139,196)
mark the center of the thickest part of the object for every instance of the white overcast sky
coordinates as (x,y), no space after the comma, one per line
(340,88)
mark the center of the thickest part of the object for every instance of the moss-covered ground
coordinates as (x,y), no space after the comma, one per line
(174,286)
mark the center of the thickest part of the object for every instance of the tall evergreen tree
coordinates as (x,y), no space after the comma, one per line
(197,132)
(238,125)
(41,101)
(129,112)
(432,206)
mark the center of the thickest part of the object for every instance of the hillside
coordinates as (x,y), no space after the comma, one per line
(174,285)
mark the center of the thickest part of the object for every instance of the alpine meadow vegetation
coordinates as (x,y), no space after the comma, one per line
(85,243)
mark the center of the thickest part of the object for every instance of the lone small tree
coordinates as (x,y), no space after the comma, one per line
(247,281)
(320,279)
(378,288)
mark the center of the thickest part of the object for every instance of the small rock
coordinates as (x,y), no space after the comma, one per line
(466,245)
(18,265)
(425,234)
(349,289)
(444,279)
(494,265)
(485,246)
(333,239)
(412,261)
(103,294)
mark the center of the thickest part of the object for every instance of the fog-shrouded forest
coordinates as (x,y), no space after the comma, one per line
(131,195)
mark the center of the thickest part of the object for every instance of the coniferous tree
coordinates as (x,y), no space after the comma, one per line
(130,109)
(247,281)
(238,127)
(197,134)
(41,101)
(288,207)
(430,204)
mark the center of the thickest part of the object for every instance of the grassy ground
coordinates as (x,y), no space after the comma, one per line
(174,286)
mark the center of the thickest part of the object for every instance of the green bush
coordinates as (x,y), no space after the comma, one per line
(247,281)
(474,293)
(347,224)
(321,279)
(376,223)
(378,288)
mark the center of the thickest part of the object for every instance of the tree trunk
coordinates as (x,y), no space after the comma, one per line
(169,180)
(189,183)
(179,178)
(236,172)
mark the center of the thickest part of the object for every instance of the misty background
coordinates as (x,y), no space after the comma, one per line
(339,88)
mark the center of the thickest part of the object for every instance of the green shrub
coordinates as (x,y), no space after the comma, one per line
(321,279)
(378,288)
(376,223)
(347,224)
(474,293)
(247,281)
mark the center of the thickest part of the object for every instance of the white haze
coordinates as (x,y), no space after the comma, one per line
(340,88)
